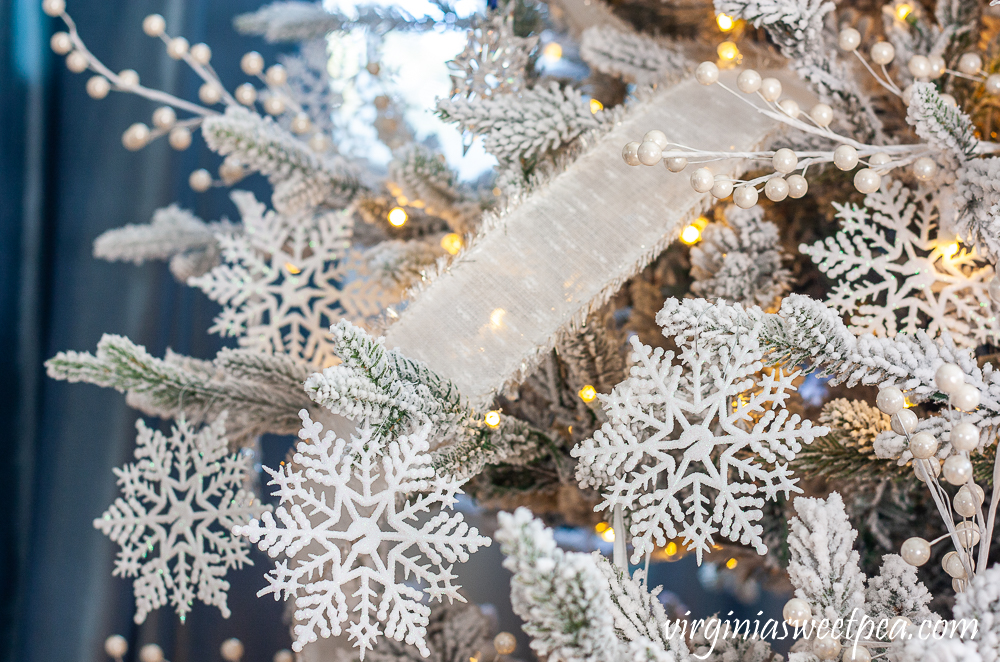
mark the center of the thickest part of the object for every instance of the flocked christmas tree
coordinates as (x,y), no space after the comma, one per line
(398,319)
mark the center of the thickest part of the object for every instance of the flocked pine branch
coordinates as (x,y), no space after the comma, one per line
(895,591)
(422,175)
(391,391)
(175,234)
(593,356)
(455,633)
(634,57)
(943,125)
(301,178)
(262,392)
(402,263)
(977,205)
(522,129)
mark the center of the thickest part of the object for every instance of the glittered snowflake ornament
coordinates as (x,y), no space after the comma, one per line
(695,442)
(366,540)
(180,500)
(898,274)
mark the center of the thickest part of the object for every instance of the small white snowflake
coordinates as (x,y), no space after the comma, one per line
(689,446)
(180,501)
(898,275)
(348,518)
(284,280)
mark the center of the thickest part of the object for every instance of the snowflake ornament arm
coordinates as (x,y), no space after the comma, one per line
(346,501)
(179,503)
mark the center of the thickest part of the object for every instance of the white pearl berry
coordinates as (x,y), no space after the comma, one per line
(252,63)
(784,160)
(702,180)
(882,53)
(128,78)
(284,655)
(965,398)
(98,87)
(745,197)
(920,469)
(200,180)
(164,117)
(903,422)
(920,66)
(301,124)
(722,188)
(915,551)
(231,171)
(867,180)
(938,65)
(923,445)
(822,114)
(748,81)
(201,54)
(77,62)
(61,43)
(150,653)
(952,564)
(845,157)
(948,378)
(826,648)
(970,63)
(275,105)
(964,503)
(924,168)
(897,627)
(790,108)
(797,186)
(179,138)
(675,163)
(276,75)
(967,534)
(890,400)
(649,152)
(53,7)
(177,48)
(993,84)
(116,646)
(246,94)
(957,469)
(856,653)
(232,650)
(849,39)
(135,137)
(964,437)
(630,152)
(154,25)
(707,73)
(770,89)
(319,143)
(210,94)
(657,137)
(796,612)
(776,189)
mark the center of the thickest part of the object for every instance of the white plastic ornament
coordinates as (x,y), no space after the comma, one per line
(53,7)
(915,551)
(177,48)
(630,153)
(965,398)
(882,53)
(867,180)
(776,189)
(970,63)
(201,54)
(920,67)
(276,75)
(826,648)
(252,63)
(890,400)
(179,138)
(796,612)
(745,196)
(61,43)
(649,152)
(797,186)
(707,73)
(964,437)
(849,39)
(210,94)
(822,114)
(200,180)
(135,137)
(748,81)
(154,25)
(924,168)
(116,646)
(845,157)
(77,62)
(98,87)
(790,108)
(675,163)
(948,378)
(967,534)
(722,188)
(770,89)
(784,160)
(231,650)
(957,469)
(151,653)
(246,94)
(657,137)
(128,77)
(923,445)
(164,117)
(992,84)
(702,180)
(903,422)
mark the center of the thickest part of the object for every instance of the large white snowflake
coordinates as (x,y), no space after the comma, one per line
(354,516)
(173,521)
(690,448)
(898,275)
(284,281)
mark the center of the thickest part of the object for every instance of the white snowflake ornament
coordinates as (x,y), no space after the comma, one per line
(692,448)
(354,516)
(898,274)
(284,280)
(173,521)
